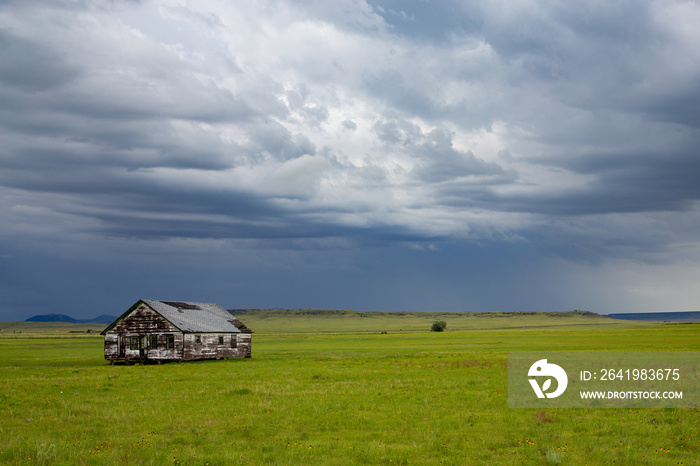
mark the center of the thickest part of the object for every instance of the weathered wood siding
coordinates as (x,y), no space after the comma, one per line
(244,345)
(217,345)
(111,346)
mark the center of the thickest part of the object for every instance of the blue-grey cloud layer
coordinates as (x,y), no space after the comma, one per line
(312,132)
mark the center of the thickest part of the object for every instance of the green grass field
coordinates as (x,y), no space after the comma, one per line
(324,389)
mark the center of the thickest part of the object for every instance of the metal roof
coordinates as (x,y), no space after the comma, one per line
(195,317)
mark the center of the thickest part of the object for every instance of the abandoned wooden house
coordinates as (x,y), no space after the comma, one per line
(176,331)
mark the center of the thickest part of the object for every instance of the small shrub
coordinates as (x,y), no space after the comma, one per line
(438,326)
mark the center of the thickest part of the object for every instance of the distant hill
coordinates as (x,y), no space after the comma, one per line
(52,318)
(103,319)
(689,316)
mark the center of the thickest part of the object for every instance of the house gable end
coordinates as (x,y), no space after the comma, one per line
(121,317)
(142,319)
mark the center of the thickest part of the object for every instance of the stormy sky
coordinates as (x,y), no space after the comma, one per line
(370,155)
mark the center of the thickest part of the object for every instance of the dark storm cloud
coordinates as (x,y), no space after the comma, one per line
(624,182)
(440,161)
(30,66)
(680,106)
(124,114)
(442,138)
(645,186)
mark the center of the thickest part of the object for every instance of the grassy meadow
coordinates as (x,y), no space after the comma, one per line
(332,389)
